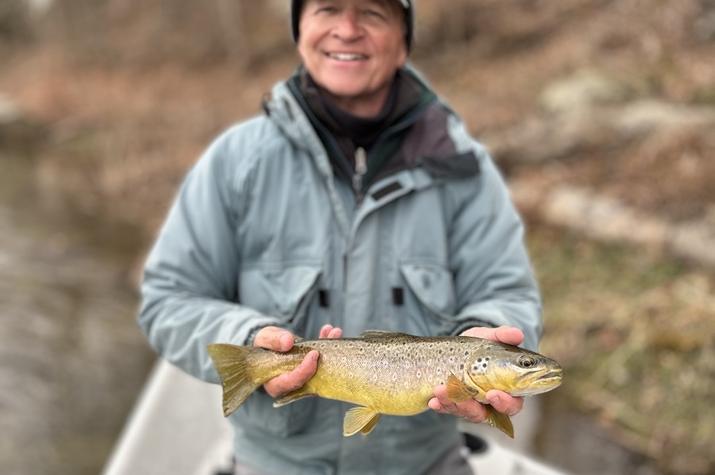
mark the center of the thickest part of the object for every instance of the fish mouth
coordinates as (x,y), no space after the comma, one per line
(553,374)
(543,383)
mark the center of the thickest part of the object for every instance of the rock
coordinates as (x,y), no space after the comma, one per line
(694,241)
(591,128)
(538,139)
(604,218)
(608,219)
(8,111)
(17,131)
(650,115)
(583,89)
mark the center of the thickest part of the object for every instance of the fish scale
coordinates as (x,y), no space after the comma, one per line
(389,373)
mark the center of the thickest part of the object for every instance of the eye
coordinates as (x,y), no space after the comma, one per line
(526,361)
(374,13)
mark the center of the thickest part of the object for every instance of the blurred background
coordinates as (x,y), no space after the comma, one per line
(600,113)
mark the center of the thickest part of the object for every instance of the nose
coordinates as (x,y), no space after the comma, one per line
(348,26)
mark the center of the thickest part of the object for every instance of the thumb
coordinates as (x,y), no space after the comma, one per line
(274,338)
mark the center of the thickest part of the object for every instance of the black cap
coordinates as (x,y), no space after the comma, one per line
(297,6)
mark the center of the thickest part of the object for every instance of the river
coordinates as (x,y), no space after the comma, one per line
(72,359)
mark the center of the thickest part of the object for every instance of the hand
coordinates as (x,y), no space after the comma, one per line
(472,410)
(279,339)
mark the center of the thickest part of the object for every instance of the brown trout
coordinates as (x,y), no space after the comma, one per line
(390,373)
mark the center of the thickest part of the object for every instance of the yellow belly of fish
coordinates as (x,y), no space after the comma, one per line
(384,398)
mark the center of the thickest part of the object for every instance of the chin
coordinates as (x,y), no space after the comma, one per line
(344,91)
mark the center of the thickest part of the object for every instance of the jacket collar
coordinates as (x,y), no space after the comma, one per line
(438,142)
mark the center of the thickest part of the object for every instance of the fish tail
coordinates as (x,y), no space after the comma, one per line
(231,363)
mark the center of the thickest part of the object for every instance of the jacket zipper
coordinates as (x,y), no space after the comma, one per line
(360,170)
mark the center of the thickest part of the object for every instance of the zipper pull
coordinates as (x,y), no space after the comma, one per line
(360,170)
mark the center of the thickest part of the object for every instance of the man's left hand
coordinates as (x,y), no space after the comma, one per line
(472,410)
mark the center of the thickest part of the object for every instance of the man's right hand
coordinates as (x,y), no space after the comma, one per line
(280,339)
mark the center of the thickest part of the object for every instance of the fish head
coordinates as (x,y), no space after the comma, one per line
(513,370)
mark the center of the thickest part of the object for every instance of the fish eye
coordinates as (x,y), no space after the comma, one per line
(526,361)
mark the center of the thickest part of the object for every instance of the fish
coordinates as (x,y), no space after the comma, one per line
(388,373)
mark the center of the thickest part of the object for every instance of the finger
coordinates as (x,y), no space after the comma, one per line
(329,331)
(435,405)
(274,338)
(325,331)
(503,334)
(294,379)
(469,409)
(509,335)
(505,403)
(440,393)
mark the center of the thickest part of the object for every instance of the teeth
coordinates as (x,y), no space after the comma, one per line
(347,56)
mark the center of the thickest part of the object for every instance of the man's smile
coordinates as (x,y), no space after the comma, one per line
(345,56)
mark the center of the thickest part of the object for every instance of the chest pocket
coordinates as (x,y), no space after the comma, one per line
(285,293)
(430,301)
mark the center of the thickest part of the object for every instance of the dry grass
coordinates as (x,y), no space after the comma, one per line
(637,338)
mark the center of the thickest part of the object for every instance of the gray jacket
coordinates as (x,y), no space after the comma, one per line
(262,233)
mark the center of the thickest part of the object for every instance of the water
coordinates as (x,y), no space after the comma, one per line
(71,357)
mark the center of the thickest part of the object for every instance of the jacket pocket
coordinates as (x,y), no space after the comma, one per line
(431,297)
(285,293)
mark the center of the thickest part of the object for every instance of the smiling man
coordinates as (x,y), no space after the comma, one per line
(352,50)
(357,201)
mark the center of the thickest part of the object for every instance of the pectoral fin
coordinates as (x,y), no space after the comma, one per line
(360,419)
(499,420)
(457,391)
(293,396)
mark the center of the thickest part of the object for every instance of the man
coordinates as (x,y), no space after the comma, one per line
(358,201)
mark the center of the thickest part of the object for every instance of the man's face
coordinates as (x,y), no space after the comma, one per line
(352,48)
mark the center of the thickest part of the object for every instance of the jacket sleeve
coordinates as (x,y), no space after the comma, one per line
(494,281)
(189,291)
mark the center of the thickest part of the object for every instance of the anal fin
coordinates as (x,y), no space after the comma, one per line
(360,419)
(500,421)
(293,396)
